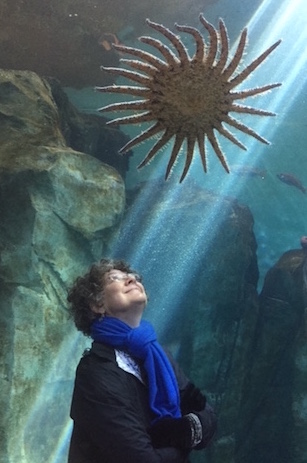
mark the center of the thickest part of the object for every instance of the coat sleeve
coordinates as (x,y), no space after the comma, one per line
(207,415)
(105,409)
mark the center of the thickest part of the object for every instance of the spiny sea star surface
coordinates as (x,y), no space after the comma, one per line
(185,97)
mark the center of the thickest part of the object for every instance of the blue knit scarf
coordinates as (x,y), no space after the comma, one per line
(141,343)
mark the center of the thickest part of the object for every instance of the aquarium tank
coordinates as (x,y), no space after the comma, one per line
(171,134)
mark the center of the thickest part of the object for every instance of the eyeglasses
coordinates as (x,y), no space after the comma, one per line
(123,276)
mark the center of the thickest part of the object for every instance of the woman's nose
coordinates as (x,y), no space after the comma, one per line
(130,277)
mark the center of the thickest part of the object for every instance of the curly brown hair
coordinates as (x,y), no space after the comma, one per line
(87,291)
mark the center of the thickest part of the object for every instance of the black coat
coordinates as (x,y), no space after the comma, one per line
(111,413)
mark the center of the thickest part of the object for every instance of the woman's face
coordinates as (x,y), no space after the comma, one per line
(123,292)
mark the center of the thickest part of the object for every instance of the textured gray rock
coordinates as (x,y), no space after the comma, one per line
(252,352)
(272,420)
(58,208)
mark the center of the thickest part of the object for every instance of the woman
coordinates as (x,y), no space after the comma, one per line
(131,403)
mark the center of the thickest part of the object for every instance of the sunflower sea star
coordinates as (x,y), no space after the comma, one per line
(187,97)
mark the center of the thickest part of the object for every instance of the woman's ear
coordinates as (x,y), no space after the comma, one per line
(98,309)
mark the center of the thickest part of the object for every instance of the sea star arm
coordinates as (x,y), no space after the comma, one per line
(252,92)
(176,42)
(245,129)
(165,51)
(156,147)
(223,131)
(232,66)
(150,58)
(200,44)
(140,66)
(213,41)
(137,91)
(153,130)
(189,156)
(215,145)
(224,48)
(175,151)
(249,69)
(249,110)
(135,76)
(126,106)
(134,119)
(202,148)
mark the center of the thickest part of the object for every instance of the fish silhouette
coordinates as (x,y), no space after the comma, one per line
(248,171)
(290,179)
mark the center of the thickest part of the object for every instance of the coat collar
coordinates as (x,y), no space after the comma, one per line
(103,351)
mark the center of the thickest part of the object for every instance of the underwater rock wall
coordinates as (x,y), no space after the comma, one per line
(58,208)
(220,315)
(249,353)
(272,421)
(89,133)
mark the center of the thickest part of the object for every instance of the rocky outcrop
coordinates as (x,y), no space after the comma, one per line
(58,208)
(272,419)
(250,354)
(89,133)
